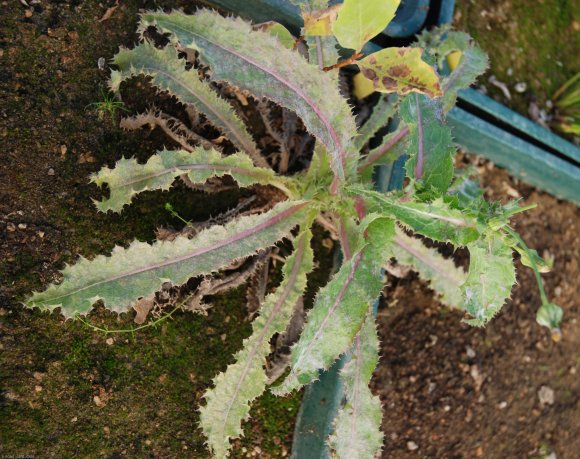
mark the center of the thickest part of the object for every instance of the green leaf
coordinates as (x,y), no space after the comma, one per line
(473,63)
(141,269)
(168,73)
(435,220)
(382,112)
(357,433)
(431,146)
(442,274)
(400,70)
(359,21)
(228,403)
(129,178)
(489,280)
(319,23)
(277,30)
(323,52)
(255,61)
(340,308)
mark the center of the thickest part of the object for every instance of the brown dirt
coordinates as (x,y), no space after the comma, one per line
(462,392)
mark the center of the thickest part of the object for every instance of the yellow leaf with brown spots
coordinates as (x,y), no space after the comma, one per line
(400,70)
(319,23)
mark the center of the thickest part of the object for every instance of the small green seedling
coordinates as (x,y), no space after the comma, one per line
(335,190)
(109,105)
(566,101)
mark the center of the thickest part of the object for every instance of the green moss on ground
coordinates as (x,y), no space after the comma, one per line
(538,41)
(149,384)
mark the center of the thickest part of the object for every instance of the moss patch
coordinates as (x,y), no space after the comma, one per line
(538,41)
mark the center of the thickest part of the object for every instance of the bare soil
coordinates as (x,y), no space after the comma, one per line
(453,391)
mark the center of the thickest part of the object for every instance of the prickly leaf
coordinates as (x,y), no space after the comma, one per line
(357,432)
(168,73)
(322,51)
(228,403)
(340,308)
(383,111)
(435,220)
(431,147)
(255,61)
(441,273)
(473,62)
(489,280)
(129,178)
(141,269)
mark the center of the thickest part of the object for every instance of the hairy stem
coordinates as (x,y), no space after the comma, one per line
(419,161)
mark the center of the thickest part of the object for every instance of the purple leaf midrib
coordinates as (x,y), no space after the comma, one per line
(245,143)
(244,234)
(308,100)
(204,166)
(281,300)
(401,243)
(334,306)
(418,172)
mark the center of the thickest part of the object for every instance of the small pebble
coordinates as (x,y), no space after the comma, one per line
(546,395)
(502,405)
(38,388)
(412,446)
(109,341)
(470,352)
(50,171)
(10,227)
(101,63)
(22,226)
(75,419)
(520,87)
(28,14)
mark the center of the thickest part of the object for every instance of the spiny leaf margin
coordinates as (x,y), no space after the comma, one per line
(228,403)
(141,269)
(256,61)
(129,178)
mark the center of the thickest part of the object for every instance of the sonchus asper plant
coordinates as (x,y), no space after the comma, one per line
(373,228)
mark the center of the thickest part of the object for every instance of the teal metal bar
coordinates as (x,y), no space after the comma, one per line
(517,122)
(281,11)
(523,159)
